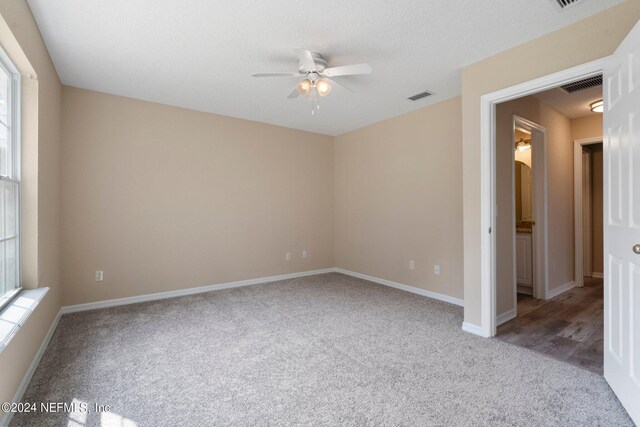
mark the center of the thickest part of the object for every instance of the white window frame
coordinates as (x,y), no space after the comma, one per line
(14,141)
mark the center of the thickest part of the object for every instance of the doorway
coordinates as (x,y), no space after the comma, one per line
(488,202)
(588,208)
(529,212)
(541,302)
(523,185)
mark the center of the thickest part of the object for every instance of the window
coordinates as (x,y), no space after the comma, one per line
(9,180)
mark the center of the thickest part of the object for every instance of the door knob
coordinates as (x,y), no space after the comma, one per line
(636,249)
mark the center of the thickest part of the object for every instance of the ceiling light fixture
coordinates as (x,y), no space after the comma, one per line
(323,87)
(317,79)
(522,145)
(313,88)
(303,87)
(598,106)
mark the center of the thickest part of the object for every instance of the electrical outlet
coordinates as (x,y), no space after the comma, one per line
(287,256)
(412,265)
(436,270)
(99,275)
(304,253)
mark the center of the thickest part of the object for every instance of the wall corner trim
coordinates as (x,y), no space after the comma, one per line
(17,397)
(474,329)
(560,289)
(407,288)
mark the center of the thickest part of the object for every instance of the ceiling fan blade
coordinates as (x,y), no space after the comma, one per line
(306,59)
(275,74)
(348,70)
(293,94)
(337,83)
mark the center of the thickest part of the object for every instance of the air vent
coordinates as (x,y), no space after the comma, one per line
(566,3)
(583,84)
(420,95)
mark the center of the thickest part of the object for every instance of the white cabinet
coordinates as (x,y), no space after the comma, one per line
(524,260)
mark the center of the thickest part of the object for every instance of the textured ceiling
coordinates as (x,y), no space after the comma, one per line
(572,105)
(199,54)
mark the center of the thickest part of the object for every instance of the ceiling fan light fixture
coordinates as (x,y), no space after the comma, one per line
(323,87)
(317,79)
(303,87)
(597,106)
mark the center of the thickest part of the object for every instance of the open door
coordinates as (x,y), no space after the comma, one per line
(622,223)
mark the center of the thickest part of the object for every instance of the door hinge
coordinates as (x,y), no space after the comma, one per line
(489,230)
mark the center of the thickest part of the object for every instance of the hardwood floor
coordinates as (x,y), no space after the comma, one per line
(568,327)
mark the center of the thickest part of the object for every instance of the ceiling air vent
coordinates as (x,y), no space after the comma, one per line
(565,3)
(583,84)
(420,95)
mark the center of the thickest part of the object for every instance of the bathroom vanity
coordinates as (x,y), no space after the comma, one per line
(524,263)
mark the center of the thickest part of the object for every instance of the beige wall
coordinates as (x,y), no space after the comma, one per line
(587,127)
(163,198)
(584,41)
(399,198)
(560,220)
(41,97)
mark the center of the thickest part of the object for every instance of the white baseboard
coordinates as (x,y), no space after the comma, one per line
(506,316)
(189,291)
(17,397)
(473,329)
(419,291)
(201,289)
(560,289)
(524,289)
(597,275)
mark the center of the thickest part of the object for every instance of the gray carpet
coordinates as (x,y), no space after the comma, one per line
(320,350)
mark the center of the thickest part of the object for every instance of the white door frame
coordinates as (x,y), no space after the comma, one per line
(577,205)
(488,175)
(539,198)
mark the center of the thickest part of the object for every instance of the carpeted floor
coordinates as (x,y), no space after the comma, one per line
(320,350)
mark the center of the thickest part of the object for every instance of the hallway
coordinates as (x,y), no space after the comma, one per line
(568,327)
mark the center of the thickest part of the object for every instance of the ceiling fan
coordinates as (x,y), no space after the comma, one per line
(316,77)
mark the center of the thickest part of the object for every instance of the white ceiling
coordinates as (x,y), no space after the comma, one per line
(199,54)
(571,105)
